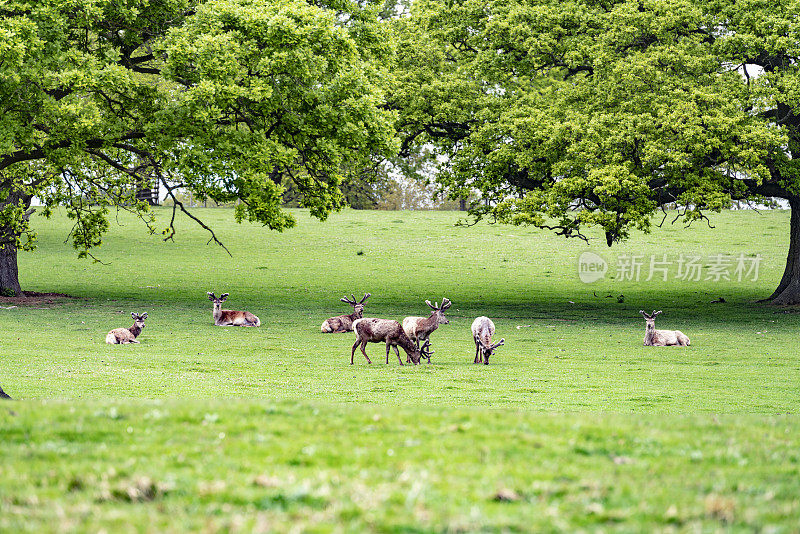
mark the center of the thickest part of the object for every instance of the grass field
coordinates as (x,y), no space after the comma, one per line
(574,425)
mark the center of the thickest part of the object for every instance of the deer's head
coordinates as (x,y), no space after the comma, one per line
(138,320)
(218,300)
(488,350)
(650,319)
(358,306)
(438,311)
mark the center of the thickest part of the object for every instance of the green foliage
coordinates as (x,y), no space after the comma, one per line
(576,114)
(221,98)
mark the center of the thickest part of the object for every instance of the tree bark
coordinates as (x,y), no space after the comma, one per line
(9,274)
(788,291)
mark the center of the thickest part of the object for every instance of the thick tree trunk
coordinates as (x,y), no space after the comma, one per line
(9,276)
(788,291)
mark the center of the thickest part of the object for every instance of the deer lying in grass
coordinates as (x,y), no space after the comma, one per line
(372,330)
(230,317)
(419,329)
(121,336)
(344,323)
(661,338)
(482,332)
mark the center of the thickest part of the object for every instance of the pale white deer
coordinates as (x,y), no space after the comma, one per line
(661,338)
(482,332)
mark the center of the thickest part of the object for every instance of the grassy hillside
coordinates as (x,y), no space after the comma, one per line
(573,425)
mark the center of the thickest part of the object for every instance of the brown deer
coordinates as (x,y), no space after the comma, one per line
(661,338)
(419,329)
(482,332)
(230,317)
(121,336)
(372,330)
(344,323)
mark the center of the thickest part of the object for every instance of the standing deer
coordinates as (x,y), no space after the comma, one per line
(419,329)
(661,338)
(344,323)
(482,332)
(372,330)
(127,335)
(230,317)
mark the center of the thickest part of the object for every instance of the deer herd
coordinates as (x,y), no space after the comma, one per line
(412,335)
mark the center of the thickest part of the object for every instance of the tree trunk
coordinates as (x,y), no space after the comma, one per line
(9,276)
(788,291)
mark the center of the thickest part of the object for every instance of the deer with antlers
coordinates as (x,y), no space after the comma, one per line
(122,336)
(230,317)
(661,338)
(419,329)
(344,323)
(482,332)
(374,330)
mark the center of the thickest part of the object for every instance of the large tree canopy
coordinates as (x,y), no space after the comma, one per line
(226,98)
(567,114)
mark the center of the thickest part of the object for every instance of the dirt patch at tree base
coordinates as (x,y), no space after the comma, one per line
(34,298)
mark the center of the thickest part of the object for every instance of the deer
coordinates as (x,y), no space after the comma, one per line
(344,323)
(419,329)
(230,317)
(482,332)
(122,336)
(373,330)
(661,338)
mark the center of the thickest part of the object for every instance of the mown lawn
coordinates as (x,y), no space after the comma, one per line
(574,425)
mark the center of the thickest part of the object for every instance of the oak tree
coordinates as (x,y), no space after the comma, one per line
(578,113)
(225,99)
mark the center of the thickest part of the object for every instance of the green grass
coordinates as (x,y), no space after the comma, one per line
(202,427)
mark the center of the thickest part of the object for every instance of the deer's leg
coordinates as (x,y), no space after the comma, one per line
(477,352)
(353,352)
(397,351)
(134,341)
(363,349)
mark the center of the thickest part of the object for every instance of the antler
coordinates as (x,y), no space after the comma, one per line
(431,305)
(347,300)
(211,295)
(655,313)
(502,342)
(445,303)
(644,314)
(366,296)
